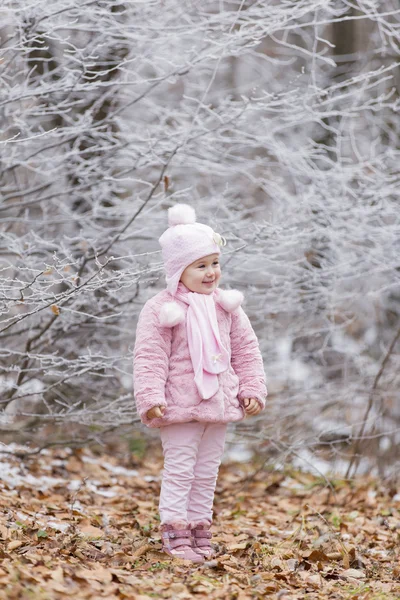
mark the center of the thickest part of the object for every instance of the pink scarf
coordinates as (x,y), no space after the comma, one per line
(209,357)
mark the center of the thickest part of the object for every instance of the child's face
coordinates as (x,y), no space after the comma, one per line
(203,275)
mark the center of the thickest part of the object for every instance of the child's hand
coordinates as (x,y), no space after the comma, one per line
(251,406)
(156,411)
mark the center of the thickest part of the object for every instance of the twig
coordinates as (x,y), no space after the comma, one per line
(355,459)
(66,443)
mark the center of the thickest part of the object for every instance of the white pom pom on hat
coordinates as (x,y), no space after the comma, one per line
(181,214)
(185,241)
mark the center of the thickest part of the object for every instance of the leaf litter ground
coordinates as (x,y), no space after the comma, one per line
(84,523)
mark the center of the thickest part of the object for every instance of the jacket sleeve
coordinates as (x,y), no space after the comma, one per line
(246,359)
(150,362)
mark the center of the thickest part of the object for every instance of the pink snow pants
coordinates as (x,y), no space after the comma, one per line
(192,456)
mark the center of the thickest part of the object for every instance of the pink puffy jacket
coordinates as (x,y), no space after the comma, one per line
(162,367)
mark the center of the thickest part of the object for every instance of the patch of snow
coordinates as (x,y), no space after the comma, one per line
(76,505)
(370,335)
(377,552)
(291,484)
(13,477)
(6,384)
(112,468)
(120,470)
(21,516)
(344,343)
(92,486)
(151,478)
(105,521)
(90,460)
(299,371)
(237,453)
(12,447)
(110,493)
(58,525)
(284,349)
(332,425)
(5,419)
(385,443)
(74,485)
(284,533)
(126,381)
(307,461)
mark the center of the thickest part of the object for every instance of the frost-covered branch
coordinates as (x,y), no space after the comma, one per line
(279,122)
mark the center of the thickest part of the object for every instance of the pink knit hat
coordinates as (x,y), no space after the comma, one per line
(184,242)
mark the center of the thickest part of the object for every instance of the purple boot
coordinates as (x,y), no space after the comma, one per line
(178,542)
(202,538)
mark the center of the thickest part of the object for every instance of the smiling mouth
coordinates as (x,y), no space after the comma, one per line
(209,281)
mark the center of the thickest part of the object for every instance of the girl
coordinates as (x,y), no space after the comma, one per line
(197,367)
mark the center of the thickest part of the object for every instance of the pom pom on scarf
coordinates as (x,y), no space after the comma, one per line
(230,300)
(171,314)
(181,214)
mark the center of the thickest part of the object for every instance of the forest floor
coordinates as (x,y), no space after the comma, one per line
(84,524)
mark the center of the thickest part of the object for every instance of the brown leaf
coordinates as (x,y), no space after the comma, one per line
(230,569)
(74,466)
(334,555)
(315,555)
(58,574)
(90,531)
(99,574)
(355,573)
(124,577)
(240,546)
(310,578)
(14,544)
(142,550)
(56,586)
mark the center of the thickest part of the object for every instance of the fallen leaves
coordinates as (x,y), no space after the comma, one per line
(86,525)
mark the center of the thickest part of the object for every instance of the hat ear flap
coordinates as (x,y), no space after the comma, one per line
(171,314)
(230,300)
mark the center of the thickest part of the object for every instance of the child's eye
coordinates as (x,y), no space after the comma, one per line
(216,262)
